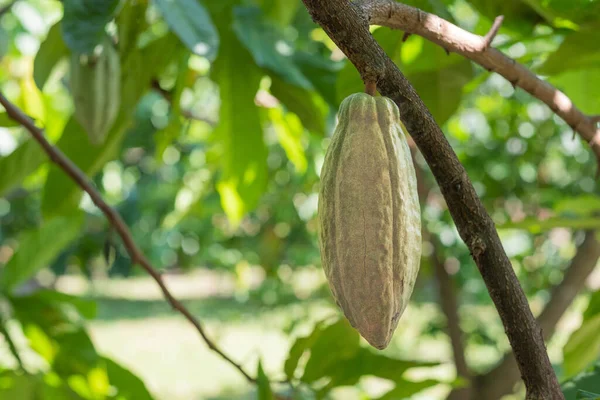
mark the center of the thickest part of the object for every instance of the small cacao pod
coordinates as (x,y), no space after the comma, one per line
(95,83)
(369,215)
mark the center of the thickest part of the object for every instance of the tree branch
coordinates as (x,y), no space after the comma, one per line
(137,257)
(501,380)
(348,28)
(477,48)
(446,288)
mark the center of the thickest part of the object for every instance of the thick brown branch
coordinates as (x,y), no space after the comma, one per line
(447,290)
(476,48)
(501,380)
(346,26)
(137,257)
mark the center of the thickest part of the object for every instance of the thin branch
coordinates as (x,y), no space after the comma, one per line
(476,228)
(501,380)
(489,37)
(137,257)
(476,48)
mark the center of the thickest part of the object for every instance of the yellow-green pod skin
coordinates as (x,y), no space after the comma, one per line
(96,89)
(370,220)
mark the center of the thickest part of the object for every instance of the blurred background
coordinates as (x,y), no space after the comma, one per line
(226,110)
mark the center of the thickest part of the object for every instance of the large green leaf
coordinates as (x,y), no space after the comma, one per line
(335,345)
(15,167)
(84,23)
(517,14)
(583,346)
(264,387)
(535,225)
(244,160)
(585,395)
(128,385)
(301,345)
(6,121)
(51,51)
(407,389)
(265,42)
(588,380)
(364,363)
(131,21)
(576,84)
(281,12)
(302,102)
(567,13)
(190,21)
(322,72)
(22,386)
(578,51)
(289,132)
(38,248)
(438,78)
(580,205)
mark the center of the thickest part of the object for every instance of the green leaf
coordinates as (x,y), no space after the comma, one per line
(304,103)
(76,353)
(267,46)
(438,78)
(190,21)
(131,21)
(588,380)
(442,90)
(337,343)
(585,395)
(239,133)
(264,387)
(281,12)
(38,248)
(364,363)
(517,14)
(593,307)
(576,85)
(299,347)
(407,389)
(165,137)
(289,132)
(19,164)
(85,307)
(534,225)
(22,386)
(583,205)
(578,51)
(583,347)
(51,51)
(321,72)
(6,121)
(562,13)
(84,23)
(128,385)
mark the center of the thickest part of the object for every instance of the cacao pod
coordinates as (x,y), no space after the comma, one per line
(369,215)
(95,83)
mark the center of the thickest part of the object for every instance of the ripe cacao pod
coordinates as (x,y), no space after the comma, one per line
(370,221)
(95,83)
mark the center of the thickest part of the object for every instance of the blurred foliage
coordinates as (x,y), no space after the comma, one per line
(214,161)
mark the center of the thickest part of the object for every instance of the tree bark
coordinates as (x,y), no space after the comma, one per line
(349,29)
(501,380)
